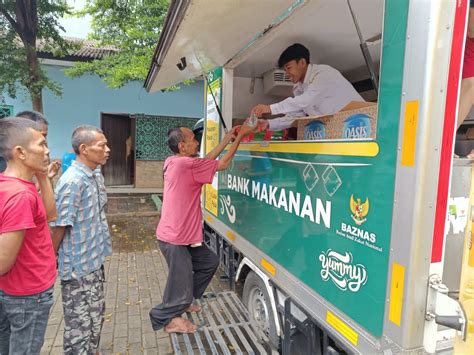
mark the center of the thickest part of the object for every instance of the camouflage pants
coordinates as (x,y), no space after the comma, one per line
(84,307)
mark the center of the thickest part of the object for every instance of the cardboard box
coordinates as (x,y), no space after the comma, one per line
(314,128)
(356,120)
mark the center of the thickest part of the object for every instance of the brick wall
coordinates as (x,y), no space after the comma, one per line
(149,174)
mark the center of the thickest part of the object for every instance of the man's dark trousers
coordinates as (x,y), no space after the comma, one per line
(190,271)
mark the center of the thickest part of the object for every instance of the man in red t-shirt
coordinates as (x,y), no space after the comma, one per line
(27,260)
(191,264)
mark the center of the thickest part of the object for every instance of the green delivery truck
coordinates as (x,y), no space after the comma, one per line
(336,228)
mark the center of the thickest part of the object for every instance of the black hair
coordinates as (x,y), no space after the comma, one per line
(34,116)
(84,135)
(472,3)
(294,52)
(15,131)
(175,136)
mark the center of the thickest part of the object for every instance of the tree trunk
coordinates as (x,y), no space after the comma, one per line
(35,77)
(37,101)
(27,28)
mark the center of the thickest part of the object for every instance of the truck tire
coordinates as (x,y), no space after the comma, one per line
(255,297)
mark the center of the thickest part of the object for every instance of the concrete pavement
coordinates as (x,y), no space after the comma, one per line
(136,276)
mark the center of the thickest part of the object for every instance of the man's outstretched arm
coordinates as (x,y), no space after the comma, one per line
(213,154)
(224,162)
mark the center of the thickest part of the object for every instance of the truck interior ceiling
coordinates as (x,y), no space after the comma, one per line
(333,32)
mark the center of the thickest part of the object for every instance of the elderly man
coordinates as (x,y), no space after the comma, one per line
(27,260)
(318,90)
(81,236)
(191,264)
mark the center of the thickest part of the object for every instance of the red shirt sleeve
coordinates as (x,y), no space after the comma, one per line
(204,170)
(19,213)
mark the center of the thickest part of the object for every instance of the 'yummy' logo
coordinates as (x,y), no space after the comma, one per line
(342,271)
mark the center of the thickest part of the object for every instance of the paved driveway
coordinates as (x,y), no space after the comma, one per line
(136,275)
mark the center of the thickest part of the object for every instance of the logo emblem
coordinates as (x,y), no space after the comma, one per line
(342,271)
(315,130)
(310,177)
(359,210)
(357,126)
(227,207)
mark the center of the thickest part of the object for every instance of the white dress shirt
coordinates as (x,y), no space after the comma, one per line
(324,91)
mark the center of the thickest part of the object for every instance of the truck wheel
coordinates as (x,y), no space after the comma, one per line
(255,297)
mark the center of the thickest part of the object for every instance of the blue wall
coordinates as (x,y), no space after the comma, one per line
(84,99)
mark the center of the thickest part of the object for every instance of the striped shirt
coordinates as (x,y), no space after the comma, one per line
(80,200)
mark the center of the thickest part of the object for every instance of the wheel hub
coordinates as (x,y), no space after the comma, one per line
(258,309)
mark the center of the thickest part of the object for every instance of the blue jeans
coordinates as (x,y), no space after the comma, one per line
(23,321)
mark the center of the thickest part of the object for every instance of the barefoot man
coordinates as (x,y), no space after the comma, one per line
(191,264)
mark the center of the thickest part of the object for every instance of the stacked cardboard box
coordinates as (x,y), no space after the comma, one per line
(357,120)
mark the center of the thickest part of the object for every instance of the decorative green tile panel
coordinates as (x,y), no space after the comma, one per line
(150,135)
(6,111)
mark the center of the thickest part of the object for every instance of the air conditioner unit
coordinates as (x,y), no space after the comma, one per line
(277,83)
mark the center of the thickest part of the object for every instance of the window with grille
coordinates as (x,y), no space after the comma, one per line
(151,135)
(6,111)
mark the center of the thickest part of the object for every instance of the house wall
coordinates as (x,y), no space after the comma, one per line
(84,98)
(149,173)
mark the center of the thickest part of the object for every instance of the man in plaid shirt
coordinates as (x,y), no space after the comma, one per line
(81,237)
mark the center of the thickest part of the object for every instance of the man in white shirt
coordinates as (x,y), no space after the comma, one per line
(318,90)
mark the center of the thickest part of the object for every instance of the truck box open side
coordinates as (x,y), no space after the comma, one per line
(361,279)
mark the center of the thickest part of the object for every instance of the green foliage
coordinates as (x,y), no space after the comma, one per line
(39,30)
(130,26)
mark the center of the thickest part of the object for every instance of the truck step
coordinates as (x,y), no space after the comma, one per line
(224,328)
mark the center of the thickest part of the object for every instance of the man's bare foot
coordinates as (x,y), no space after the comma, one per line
(193,308)
(180,325)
